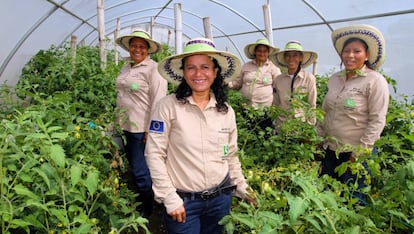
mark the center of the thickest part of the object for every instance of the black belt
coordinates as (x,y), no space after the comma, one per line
(224,188)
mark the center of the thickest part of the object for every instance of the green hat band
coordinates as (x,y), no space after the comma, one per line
(199,45)
(294,46)
(263,41)
(140,34)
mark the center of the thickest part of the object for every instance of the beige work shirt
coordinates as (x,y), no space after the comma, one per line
(139,87)
(304,84)
(190,149)
(355,109)
(256,83)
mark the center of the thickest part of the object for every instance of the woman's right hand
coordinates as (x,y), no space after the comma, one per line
(178,214)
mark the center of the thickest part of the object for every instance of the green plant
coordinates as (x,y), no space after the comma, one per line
(54,70)
(56,174)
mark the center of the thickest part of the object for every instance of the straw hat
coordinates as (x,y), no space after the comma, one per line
(170,68)
(249,49)
(309,57)
(371,35)
(123,41)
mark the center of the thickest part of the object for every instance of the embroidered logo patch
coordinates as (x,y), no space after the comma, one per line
(156,126)
(226,150)
(350,103)
(134,86)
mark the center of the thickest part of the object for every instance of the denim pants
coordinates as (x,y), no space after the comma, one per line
(134,149)
(202,216)
(330,162)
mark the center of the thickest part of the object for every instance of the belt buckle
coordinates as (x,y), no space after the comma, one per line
(207,194)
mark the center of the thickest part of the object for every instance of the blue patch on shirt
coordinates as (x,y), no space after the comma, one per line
(156,126)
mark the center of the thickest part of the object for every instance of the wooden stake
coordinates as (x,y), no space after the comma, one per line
(101,28)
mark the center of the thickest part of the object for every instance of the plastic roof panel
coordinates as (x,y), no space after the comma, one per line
(31,25)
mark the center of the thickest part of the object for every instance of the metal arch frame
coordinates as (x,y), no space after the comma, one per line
(83,22)
(238,14)
(126,25)
(91,17)
(318,13)
(164,7)
(30,31)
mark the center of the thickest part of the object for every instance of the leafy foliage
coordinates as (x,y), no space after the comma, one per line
(283,170)
(61,172)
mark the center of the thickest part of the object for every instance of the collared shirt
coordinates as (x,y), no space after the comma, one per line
(192,150)
(256,83)
(139,87)
(304,84)
(355,109)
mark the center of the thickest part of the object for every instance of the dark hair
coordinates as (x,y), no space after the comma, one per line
(129,42)
(354,39)
(255,48)
(184,90)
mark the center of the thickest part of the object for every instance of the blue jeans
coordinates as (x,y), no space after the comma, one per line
(134,150)
(202,215)
(330,162)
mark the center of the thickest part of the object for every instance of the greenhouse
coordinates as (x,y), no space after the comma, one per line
(63,152)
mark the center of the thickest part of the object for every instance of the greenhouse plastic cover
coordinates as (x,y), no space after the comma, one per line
(28,26)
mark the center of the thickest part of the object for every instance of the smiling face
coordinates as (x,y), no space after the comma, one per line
(199,73)
(261,53)
(292,60)
(354,55)
(138,49)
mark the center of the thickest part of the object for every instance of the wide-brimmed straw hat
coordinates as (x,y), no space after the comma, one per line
(123,41)
(171,68)
(249,49)
(371,35)
(309,57)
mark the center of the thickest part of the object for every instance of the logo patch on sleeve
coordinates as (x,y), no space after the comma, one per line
(156,126)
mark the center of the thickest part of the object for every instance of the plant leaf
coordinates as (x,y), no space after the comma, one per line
(43,175)
(21,190)
(297,208)
(75,174)
(92,182)
(58,155)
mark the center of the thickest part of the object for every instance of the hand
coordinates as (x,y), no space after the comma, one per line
(251,200)
(352,157)
(250,197)
(179,214)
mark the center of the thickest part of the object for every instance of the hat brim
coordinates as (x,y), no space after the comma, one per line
(170,68)
(371,35)
(309,57)
(249,50)
(123,42)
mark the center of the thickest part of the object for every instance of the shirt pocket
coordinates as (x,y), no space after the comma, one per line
(355,101)
(138,83)
(223,145)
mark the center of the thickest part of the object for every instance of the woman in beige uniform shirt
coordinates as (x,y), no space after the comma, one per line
(295,80)
(139,87)
(256,78)
(192,142)
(356,103)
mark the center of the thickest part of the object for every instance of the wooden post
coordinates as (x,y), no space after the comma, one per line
(268,23)
(73,41)
(315,67)
(169,36)
(116,35)
(178,28)
(151,26)
(101,28)
(207,28)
